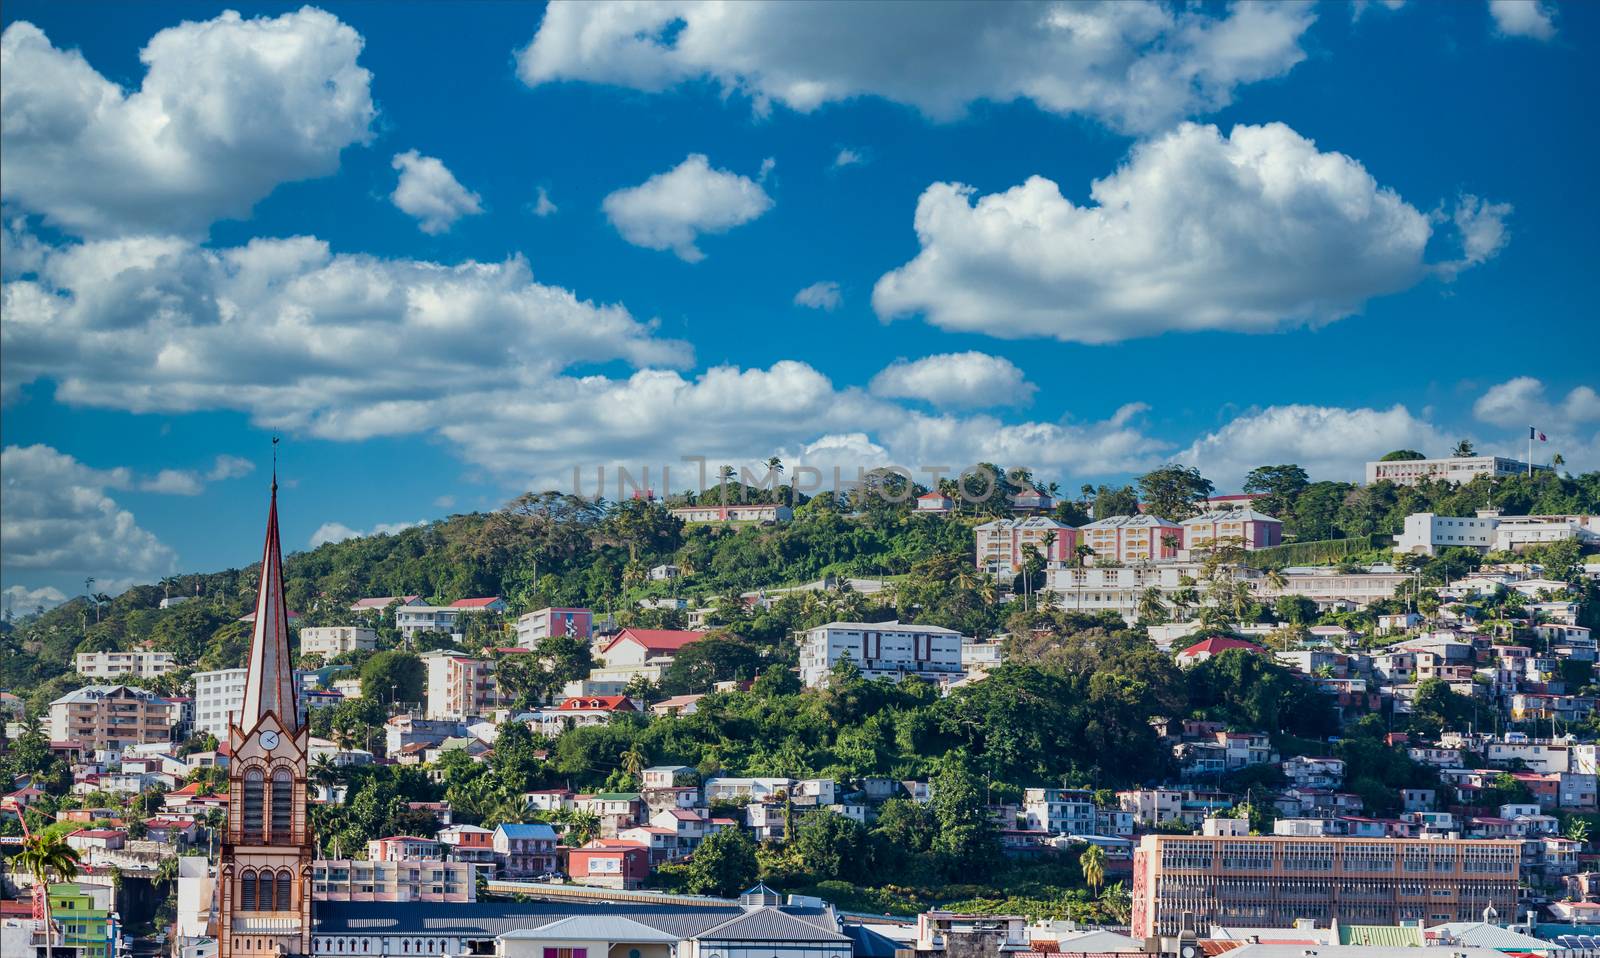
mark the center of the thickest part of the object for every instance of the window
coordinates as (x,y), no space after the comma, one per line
(285,894)
(282,805)
(251,823)
(247,891)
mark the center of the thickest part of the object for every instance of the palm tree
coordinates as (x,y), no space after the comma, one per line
(1276,580)
(1463,449)
(1093,863)
(1578,830)
(634,760)
(325,774)
(45,857)
(1152,608)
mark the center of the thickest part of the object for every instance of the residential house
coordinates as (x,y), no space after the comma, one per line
(525,850)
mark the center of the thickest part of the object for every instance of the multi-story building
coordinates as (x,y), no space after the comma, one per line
(346,879)
(1005,544)
(749,512)
(1245,528)
(469,843)
(217,696)
(87,919)
(460,686)
(525,851)
(609,863)
(545,623)
(1273,881)
(107,665)
(1059,811)
(579,711)
(1131,539)
(331,640)
(636,653)
(111,717)
(1409,472)
(881,650)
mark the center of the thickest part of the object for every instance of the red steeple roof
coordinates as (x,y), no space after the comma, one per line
(269,685)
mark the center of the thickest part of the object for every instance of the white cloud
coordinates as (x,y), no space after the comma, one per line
(543,206)
(1195,231)
(1572,423)
(56,519)
(1327,441)
(228,109)
(22,600)
(339,532)
(1359,8)
(963,380)
(230,467)
(848,157)
(429,192)
(340,346)
(1482,226)
(670,210)
(1523,18)
(445,502)
(187,482)
(824,295)
(1134,66)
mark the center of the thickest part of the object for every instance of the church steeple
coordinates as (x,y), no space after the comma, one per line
(269,686)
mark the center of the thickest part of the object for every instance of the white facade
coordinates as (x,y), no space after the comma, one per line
(332,640)
(105,665)
(1425,532)
(217,696)
(1409,472)
(881,650)
(412,619)
(546,623)
(750,512)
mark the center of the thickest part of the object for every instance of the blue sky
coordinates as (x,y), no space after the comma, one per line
(1320,232)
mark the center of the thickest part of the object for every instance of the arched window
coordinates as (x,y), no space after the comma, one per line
(282,806)
(285,883)
(252,823)
(247,891)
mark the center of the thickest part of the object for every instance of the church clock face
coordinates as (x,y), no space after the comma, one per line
(269,740)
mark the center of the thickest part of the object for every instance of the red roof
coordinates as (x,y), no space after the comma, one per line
(933,495)
(608,703)
(474,603)
(657,640)
(1218,644)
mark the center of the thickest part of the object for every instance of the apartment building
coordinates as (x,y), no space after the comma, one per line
(748,512)
(1005,544)
(525,851)
(110,665)
(1409,472)
(110,717)
(1130,539)
(1272,881)
(345,879)
(460,686)
(1059,811)
(881,650)
(331,640)
(1245,528)
(545,623)
(218,695)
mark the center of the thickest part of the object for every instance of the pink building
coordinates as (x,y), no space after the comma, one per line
(1131,539)
(1004,544)
(1244,527)
(397,848)
(609,863)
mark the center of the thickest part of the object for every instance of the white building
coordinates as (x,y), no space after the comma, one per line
(881,650)
(545,623)
(1517,531)
(1129,539)
(1409,472)
(1489,530)
(734,512)
(1059,811)
(105,665)
(331,640)
(413,619)
(217,696)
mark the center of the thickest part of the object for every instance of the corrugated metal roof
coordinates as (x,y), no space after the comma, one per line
(595,928)
(770,924)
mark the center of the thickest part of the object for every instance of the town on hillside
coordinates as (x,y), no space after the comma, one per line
(1149,719)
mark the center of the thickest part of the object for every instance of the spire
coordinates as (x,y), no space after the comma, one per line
(269,686)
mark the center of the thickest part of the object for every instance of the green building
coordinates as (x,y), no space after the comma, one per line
(84,924)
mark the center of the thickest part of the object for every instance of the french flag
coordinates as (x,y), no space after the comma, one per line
(1536,434)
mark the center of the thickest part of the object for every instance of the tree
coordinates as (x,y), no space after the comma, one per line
(1093,864)
(1152,608)
(1578,830)
(1172,491)
(1401,455)
(48,857)
(964,842)
(1115,502)
(832,846)
(1279,487)
(716,658)
(724,864)
(393,676)
(1463,449)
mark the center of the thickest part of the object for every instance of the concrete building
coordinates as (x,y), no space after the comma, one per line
(217,697)
(1273,881)
(1005,544)
(110,717)
(331,640)
(1246,528)
(393,880)
(535,626)
(525,851)
(460,686)
(635,653)
(1059,811)
(750,512)
(881,650)
(1130,539)
(1409,472)
(107,665)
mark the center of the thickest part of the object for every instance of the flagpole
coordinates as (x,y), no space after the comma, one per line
(1530,452)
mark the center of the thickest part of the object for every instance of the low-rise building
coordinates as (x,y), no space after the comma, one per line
(407,880)
(1060,811)
(881,650)
(609,863)
(1409,472)
(218,696)
(525,850)
(1003,545)
(1131,539)
(331,640)
(1242,528)
(108,665)
(550,622)
(578,711)
(748,512)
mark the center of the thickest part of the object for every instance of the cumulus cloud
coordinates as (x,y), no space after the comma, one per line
(1572,422)
(429,192)
(1136,67)
(188,482)
(963,380)
(1534,19)
(1482,226)
(228,109)
(824,295)
(543,206)
(57,519)
(21,600)
(671,210)
(339,532)
(1328,441)
(1196,231)
(848,157)
(341,346)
